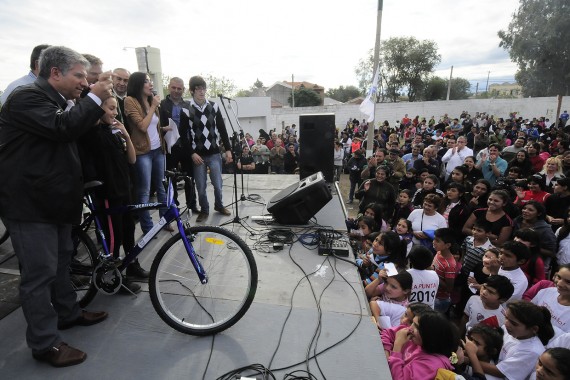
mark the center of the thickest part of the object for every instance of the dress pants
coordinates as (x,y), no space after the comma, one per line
(44,252)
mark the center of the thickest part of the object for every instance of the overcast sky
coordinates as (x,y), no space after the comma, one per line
(319,41)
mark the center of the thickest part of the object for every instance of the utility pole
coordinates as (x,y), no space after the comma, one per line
(449,84)
(370,139)
(487,87)
(292,91)
(476,89)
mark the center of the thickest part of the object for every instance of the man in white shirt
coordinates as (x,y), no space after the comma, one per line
(455,156)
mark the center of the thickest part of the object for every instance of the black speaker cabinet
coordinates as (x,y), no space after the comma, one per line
(316,134)
(298,203)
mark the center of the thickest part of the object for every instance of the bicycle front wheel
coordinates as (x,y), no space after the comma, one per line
(83,263)
(191,307)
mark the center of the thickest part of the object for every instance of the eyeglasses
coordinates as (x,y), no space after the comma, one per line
(200,88)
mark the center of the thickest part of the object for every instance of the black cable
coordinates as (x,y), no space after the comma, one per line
(209,357)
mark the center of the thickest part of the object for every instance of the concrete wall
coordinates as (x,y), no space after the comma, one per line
(255,113)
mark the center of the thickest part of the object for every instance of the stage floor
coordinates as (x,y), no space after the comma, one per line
(298,290)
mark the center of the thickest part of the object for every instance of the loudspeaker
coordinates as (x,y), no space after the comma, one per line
(316,134)
(298,203)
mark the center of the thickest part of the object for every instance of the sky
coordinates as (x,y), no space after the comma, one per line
(318,41)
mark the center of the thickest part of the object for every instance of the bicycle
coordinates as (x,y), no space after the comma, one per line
(202,280)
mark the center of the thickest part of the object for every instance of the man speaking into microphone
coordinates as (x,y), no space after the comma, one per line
(200,131)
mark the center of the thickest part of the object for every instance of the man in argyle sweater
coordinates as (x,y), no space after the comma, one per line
(201,127)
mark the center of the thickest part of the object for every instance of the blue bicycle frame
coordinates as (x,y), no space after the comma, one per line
(171,214)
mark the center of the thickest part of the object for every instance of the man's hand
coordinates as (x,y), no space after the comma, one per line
(104,86)
(229,158)
(197,159)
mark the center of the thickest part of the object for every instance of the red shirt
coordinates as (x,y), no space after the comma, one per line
(445,269)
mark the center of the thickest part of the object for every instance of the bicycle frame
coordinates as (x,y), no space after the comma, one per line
(171,214)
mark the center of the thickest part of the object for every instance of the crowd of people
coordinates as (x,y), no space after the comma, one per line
(462,243)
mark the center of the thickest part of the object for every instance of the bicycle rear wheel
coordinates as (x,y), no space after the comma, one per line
(82,265)
(191,307)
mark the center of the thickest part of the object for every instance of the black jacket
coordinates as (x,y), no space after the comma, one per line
(40,168)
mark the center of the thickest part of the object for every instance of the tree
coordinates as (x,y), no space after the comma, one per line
(405,64)
(305,97)
(220,85)
(435,88)
(408,62)
(343,94)
(253,90)
(538,41)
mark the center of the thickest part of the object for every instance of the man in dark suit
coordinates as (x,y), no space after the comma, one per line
(41,194)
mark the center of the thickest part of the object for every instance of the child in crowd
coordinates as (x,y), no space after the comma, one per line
(387,247)
(513,255)
(429,186)
(489,267)
(403,206)
(553,364)
(426,281)
(388,336)
(557,300)
(528,329)
(534,267)
(483,344)
(474,246)
(420,350)
(404,230)
(444,265)
(473,249)
(408,182)
(366,225)
(389,297)
(493,293)
(365,267)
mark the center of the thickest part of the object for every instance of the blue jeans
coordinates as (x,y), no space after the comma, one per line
(214,162)
(442,305)
(150,168)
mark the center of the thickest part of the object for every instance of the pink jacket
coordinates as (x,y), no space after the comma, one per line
(415,364)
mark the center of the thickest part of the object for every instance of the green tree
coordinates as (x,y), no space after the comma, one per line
(219,85)
(251,91)
(408,62)
(343,94)
(405,64)
(435,88)
(460,89)
(305,97)
(538,41)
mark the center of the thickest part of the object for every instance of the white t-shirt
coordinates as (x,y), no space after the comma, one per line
(422,222)
(424,288)
(519,281)
(560,313)
(563,254)
(518,357)
(561,341)
(476,312)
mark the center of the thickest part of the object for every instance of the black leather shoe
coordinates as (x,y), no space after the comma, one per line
(61,355)
(86,318)
(135,271)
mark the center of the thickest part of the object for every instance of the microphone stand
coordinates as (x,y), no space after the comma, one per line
(236,151)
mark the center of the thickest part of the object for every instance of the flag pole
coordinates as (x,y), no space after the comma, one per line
(375,75)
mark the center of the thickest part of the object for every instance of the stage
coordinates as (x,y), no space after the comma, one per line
(305,304)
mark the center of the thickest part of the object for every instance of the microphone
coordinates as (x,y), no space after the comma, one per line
(224,97)
(154,93)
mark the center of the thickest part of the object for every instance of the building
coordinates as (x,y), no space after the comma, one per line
(505,90)
(280,92)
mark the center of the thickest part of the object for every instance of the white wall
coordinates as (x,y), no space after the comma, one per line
(255,112)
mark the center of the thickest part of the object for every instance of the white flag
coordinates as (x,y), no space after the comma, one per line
(367,106)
